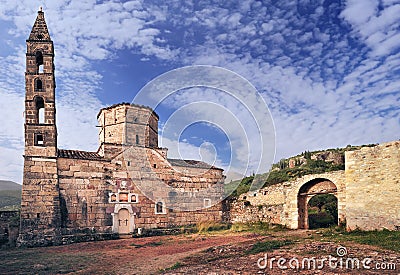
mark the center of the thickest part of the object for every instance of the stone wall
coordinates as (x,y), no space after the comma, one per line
(84,193)
(40,204)
(128,124)
(86,187)
(373,187)
(153,178)
(244,212)
(9,227)
(280,203)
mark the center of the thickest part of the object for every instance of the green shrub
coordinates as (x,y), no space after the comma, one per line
(268,246)
(321,219)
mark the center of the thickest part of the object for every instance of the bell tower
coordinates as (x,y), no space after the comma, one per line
(40,109)
(40,205)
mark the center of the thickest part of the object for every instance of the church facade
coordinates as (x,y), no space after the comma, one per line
(128,185)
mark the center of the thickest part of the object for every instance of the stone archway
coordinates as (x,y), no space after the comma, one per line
(307,191)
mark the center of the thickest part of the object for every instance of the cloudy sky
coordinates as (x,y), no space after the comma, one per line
(329,71)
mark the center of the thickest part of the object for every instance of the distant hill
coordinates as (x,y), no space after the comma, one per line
(9,185)
(10,195)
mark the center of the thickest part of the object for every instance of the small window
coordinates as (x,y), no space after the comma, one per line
(128,163)
(38,215)
(207,203)
(137,139)
(154,165)
(123,197)
(160,209)
(113,198)
(133,198)
(39,140)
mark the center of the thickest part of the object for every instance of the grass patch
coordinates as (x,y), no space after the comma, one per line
(154,243)
(173,267)
(384,238)
(261,228)
(203,227)
(268,246)
(33,261)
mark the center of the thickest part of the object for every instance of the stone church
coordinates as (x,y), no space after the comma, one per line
(128,185)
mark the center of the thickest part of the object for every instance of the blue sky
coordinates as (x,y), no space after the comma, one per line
(329,71)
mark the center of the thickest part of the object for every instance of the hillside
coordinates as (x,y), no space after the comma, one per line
(10,195)
(306,163)
(9,185)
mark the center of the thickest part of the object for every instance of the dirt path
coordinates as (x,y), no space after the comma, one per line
(220,253)
(150,255)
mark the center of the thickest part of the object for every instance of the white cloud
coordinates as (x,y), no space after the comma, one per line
(83,31)
(326,86)
(378,28)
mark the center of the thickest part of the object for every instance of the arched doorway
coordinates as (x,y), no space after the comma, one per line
(123,221)
(123,218)
(307,191)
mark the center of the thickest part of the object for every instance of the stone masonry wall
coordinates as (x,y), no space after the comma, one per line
(149,168)
(85,188)
(9,227)
(40,205)
(128,124)
(279,203)
(84,194)
(373,187)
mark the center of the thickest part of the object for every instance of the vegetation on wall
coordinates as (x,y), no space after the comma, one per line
(311,167)
(235,188)
(295,167)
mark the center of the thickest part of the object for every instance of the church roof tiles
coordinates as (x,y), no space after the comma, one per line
(76,154)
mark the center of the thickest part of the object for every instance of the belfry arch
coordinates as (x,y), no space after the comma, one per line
(308,190)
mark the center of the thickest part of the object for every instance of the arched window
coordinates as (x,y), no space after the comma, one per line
(160,208)
(39,103)
(38,85)
(39,61)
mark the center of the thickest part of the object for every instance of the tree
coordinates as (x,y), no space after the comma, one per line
(327,211)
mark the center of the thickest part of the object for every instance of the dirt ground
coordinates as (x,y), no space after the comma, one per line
(217,253)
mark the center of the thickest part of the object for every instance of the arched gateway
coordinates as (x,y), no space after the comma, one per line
(310,189)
